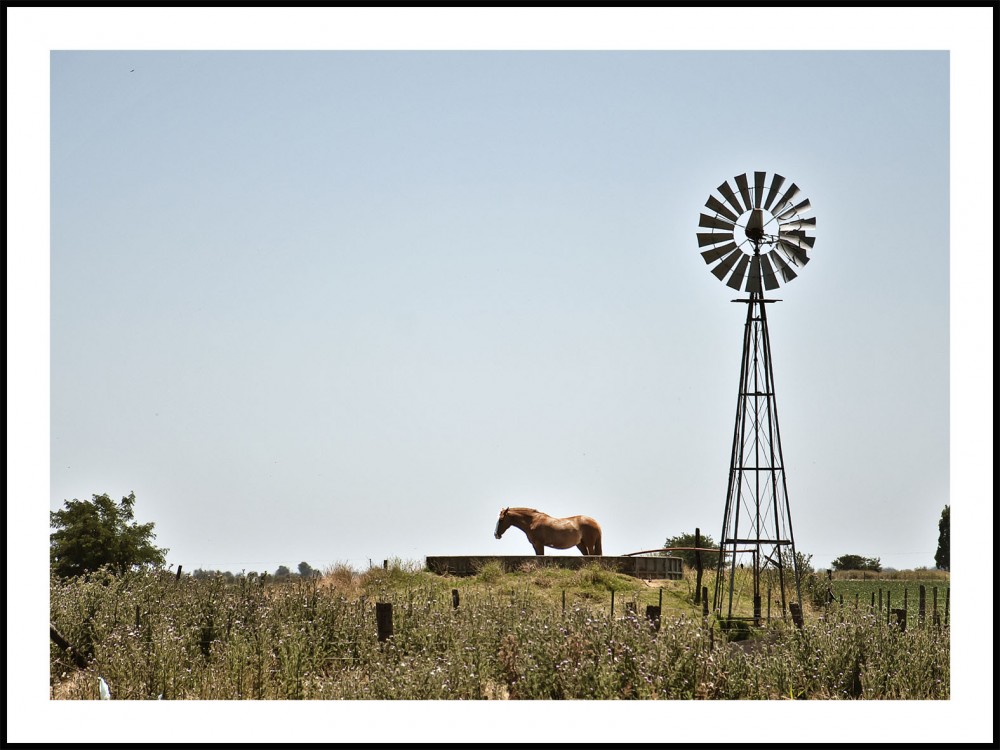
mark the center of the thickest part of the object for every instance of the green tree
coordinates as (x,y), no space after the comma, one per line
(856,562)
(306,570)
(709,560)
(942,558)
(90,534)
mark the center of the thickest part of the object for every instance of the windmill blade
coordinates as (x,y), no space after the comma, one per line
(753,280)
(799,223)
(799,209)
(713,222)
(741,183)
(770,280)
(720,208)
(794,253)
(793,190)
(728,262)
(786,272)
(736,280)
(758,188)
(717,252)
(730,196)
(797,237)
(776,182)
(713,238)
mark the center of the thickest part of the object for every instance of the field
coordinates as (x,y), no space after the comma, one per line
(541,633)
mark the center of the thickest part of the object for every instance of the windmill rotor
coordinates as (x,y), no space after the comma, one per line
(756,232)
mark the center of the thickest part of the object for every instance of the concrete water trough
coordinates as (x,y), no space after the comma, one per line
(640,566)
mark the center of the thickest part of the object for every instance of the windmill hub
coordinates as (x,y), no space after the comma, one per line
(755,225)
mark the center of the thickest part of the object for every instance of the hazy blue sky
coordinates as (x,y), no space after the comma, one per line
(341,306)
(333,306)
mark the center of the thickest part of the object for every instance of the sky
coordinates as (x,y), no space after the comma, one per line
(338,303)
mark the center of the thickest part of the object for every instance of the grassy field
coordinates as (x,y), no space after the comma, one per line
(540,633)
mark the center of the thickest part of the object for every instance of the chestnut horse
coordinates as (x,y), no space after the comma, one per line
(543,530)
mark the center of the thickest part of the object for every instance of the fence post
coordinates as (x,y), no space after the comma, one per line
(796,613)
(697,566)
(900,618)
(383,620)
(922,607)
(704,601)
(653,615)
(888,604)
(57,638)
(564,601)
(454,598)
(178,572)
(612,602)
(934,617)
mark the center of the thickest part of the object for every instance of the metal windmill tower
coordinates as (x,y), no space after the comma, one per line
(756,235)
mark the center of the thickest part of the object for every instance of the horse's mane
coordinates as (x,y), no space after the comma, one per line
(532,510)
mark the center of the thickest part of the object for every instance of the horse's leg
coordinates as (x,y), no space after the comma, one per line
(583,548)
(539,548)
(597,547)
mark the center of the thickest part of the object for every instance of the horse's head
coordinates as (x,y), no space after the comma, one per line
(503,523)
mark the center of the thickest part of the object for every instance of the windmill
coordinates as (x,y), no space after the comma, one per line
(757,236)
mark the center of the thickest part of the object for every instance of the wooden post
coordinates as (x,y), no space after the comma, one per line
(857,598)
(564,601)
(454,598)
(704,601)
(841,600)
(65,645)
(660,604)
(900,618)
(922,606)
(612,602)
(383,620)
(653,615)
(385,565)
(873,601)
(756,610)
(697,565)
(178,572)
(888,604)
(796,613)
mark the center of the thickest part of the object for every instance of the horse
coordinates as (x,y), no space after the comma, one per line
(543,530)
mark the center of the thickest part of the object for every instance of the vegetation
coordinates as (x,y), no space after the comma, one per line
(856,562)
(151,634)
(709,560)
(942,558)
(91,534)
